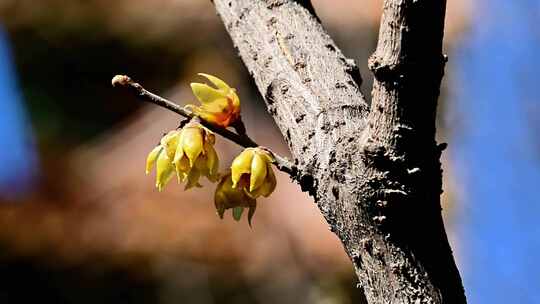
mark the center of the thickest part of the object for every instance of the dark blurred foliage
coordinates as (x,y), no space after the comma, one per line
(28,279)
(93,230)
(64,68)
(35,279)
(76,67)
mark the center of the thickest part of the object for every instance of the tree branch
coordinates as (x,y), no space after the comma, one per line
(376,178)
(241,139)
(408,65)
(303,76)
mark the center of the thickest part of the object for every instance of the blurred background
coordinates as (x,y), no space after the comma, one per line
(81,223)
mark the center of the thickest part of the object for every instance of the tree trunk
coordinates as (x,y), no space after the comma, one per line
(373,171)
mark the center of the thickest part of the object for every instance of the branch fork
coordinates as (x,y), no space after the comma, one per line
(396,243)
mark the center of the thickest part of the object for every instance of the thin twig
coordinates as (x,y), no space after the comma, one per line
(241,139)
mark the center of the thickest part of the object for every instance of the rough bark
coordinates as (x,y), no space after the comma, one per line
(374,172)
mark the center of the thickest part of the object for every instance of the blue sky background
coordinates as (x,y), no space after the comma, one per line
(17,154)
(497,152)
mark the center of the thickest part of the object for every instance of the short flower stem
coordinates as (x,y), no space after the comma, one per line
(241,139)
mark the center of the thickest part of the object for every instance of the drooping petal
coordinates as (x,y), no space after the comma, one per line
(151,159)
(270,182)
(227,197)
(201,168)
(170,143)
(258,172)
(192,143)
(212,162)
(179,153)
(241,164)
(164,170)
(193,179)
(268,186)
(182,168)
(220,202)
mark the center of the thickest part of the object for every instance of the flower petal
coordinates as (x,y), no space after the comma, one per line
(208,95)
(227,197)
(235,101)
(193,179)
(270,182)
(170,143)
(258,172)
(151,159)
(164,170)
(212,162)
(241,164)
(179,153)
(219,202)
(220,106)
(182,168)
(268,157)
(192,143)
(220,84)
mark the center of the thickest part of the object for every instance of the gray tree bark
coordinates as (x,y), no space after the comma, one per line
(373,170)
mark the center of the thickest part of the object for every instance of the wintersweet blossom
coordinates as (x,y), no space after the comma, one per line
(195,155)
(160,157)
(252,170)
(236,198)
(220,105)
(189,152)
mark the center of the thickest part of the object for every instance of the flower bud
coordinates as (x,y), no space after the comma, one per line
(219,105)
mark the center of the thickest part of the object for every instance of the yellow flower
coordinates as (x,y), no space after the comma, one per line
(195,155)
(162,156)
(189,152)
(253,169)
(219,105)
(236,198)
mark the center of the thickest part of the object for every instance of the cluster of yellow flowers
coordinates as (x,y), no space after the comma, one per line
(190,153)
